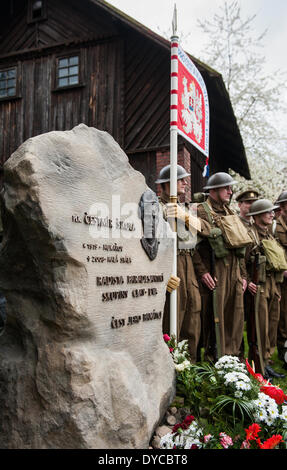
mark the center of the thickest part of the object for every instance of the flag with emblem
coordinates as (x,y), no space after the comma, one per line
(192,106)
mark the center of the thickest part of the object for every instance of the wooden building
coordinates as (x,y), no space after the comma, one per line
(65,62)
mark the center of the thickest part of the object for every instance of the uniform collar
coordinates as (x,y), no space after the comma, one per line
(219,206)
(262,231)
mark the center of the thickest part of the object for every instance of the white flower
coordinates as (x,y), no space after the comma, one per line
(182,366)
(266,409)
(182,344)
(236,377)
(269,421)
(179,367)
(191,441)
(284,413)
(273,412)
(261,414)
(241,385)
(166,441)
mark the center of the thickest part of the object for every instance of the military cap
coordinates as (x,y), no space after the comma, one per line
(261,206)
(164,174)
(219,180)
(282,197)
(248,195)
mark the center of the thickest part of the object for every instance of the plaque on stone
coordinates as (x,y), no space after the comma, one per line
(82,362)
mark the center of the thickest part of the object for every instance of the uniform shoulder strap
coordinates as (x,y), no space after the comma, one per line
(208,211)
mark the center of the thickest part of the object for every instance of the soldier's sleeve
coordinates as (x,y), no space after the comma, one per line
(196,224)
(202,252)
(243,270)
(247,262)
(199,264)
(281,235)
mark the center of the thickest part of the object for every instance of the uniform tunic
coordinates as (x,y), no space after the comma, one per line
(188,295)
(229,272)
(269,306)
(281,235)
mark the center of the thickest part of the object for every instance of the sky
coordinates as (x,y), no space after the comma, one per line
(157,15)
(270,15)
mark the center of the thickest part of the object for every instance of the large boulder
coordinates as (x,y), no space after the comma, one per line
(82,361)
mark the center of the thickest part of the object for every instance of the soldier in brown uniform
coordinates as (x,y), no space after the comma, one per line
(244,200)
(268,282)
(281,235)
(222,269)
(188,296)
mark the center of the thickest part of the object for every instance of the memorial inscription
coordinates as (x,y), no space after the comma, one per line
(82,363)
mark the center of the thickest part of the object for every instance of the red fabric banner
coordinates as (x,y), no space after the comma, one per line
(193,105)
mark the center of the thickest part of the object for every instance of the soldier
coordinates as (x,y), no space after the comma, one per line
(220,269)
(281,235)
(188,226)
(265,286)
(244,200)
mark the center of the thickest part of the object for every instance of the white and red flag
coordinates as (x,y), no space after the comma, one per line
(190,106)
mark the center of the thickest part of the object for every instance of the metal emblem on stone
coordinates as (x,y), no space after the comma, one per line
(149,214)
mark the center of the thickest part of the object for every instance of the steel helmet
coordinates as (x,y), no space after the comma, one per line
(219,180)
(164,174)
(261,206)
(282,197)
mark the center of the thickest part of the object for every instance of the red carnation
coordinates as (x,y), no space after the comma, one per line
(166,338)
(184,425)
(189,419)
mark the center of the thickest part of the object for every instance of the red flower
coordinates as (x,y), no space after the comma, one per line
(272,442)
(258,377)
(252,432)
(184,425)
(189,419)
(166,338)
(171,349)
(274,392)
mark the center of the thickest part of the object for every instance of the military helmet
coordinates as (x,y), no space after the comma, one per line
(164,174)
(247,195)
(261,206)
(282,197)
(219,180)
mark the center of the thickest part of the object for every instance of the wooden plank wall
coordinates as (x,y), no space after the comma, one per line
(41,109)
(147,78)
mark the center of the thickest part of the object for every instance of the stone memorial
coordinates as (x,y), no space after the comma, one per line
(83,363)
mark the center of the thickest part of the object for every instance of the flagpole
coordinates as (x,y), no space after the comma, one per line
(173,160)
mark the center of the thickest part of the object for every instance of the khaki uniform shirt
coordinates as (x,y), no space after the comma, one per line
(281,232)
(202,255)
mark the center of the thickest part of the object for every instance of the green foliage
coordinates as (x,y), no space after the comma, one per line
(230,405)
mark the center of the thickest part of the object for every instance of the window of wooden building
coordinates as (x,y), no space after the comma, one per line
(8,82)
(68,71)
